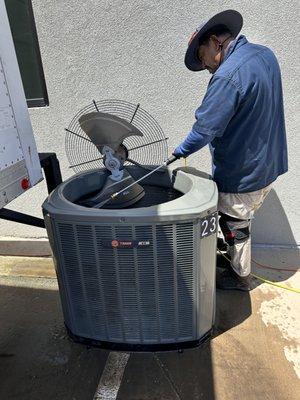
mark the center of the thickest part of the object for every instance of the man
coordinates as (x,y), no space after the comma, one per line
(241,117)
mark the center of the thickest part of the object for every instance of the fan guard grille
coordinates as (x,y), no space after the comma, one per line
(149,149)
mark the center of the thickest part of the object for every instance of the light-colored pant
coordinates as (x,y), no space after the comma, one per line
(241,206)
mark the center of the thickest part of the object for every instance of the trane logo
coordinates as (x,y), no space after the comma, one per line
(125,243)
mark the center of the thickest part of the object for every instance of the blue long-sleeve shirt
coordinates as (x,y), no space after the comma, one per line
(242,118)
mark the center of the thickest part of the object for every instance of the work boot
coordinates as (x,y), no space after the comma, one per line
(229,280)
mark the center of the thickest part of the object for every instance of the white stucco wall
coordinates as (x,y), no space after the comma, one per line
(133,50)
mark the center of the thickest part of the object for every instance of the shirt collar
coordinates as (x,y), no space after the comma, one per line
(233,45)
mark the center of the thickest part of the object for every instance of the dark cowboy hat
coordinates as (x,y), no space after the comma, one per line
(230,18)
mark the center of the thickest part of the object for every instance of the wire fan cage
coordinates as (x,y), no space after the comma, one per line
(150,149)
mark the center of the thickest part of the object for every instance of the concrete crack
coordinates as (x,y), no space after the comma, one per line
(168,377)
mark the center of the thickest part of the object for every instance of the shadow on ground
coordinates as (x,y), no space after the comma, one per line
(38,361)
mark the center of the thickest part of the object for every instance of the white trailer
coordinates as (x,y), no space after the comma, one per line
(20,167)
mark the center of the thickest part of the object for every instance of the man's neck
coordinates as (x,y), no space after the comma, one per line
(229,45)
(225,40)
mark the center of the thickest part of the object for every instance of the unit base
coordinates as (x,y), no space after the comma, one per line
(140,347)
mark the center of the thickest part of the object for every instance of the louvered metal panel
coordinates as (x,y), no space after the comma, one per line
(166,280)
(109,284)
(90,280)
(134,295)
(148,287)
(185,279)
(73,277)
(124,261)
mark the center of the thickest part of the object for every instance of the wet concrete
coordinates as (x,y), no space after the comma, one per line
(253,355)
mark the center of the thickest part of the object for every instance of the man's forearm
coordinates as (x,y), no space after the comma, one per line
(192,143)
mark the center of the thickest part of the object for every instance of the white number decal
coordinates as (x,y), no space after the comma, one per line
(209,225)
(213,222)
(205,224)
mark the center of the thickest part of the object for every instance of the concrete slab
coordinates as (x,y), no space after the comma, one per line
(254,354)
(37,267)
(26,247)
(37,360)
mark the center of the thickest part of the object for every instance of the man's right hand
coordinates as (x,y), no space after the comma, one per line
(178,153)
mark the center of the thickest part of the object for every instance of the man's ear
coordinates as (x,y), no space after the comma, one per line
(216,42)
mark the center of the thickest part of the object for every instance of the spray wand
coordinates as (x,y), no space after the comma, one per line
(169,161)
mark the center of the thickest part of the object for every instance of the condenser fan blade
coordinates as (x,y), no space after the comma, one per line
(128,197)
(108,122)
(107,130)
